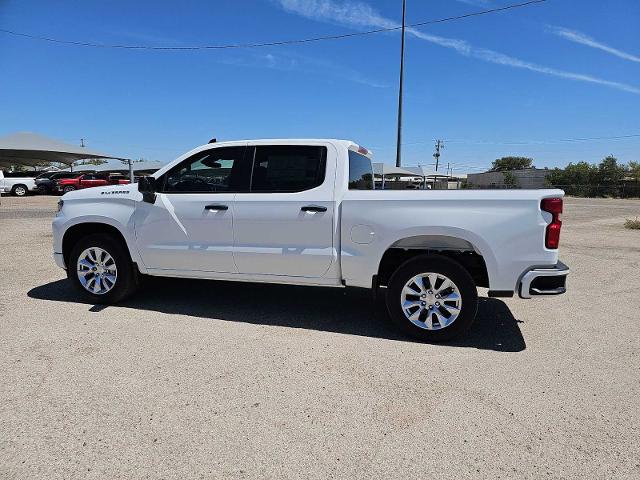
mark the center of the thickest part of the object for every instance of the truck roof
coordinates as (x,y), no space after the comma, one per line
(293,141)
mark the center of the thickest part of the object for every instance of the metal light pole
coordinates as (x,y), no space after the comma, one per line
(399,140)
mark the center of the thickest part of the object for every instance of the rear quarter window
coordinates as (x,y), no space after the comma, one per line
(360,172)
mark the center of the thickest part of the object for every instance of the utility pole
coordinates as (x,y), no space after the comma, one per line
(399,140)
(436,155)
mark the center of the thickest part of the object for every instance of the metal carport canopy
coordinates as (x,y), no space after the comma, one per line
(31,149)
(382,169)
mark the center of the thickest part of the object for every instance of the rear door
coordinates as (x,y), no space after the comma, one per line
(284,224)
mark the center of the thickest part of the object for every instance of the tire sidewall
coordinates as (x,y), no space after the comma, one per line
(436,264)
(125,282)
(21,188)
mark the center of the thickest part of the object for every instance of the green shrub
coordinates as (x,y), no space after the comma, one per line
(632,224)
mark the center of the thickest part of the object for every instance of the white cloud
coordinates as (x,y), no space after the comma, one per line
(499,58)
(581,38)
(351,13)
(359,14)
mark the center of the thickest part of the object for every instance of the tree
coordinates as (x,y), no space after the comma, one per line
(610,172)
(510,179)
(581,173)
(554,177)
(634,170)
(94,161)
(511,163)
(579,179)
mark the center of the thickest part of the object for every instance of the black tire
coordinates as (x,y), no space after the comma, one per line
(68,188)
(19,190)
(127,277)
(433,264)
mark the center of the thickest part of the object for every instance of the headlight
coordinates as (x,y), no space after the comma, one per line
(60,204)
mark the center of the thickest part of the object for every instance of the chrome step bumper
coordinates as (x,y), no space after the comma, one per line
(544,281)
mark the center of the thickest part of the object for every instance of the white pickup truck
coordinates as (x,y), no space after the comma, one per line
(305,212)
(18,186)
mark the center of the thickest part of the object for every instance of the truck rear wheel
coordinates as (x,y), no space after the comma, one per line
(432,298)
(100,268)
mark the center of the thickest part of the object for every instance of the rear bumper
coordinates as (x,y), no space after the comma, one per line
(544,281)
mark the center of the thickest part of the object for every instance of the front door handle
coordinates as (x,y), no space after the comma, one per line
(313,208)
(216,208)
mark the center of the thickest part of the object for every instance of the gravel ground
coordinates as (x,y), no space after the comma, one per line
(219,380)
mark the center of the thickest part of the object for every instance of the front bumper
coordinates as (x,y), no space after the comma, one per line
(544,281)
(59,259)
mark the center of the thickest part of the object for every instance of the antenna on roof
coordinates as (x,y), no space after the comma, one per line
(213,140)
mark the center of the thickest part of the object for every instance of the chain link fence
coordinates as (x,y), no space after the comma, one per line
(621,190)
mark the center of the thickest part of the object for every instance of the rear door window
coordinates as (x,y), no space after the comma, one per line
(288,168)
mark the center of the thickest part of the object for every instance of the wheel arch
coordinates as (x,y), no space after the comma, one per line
(15,186)
(458,248)
(82,229)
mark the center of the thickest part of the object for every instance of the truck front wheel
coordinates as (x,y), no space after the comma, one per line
(432,298)
(100,268)
(19,190)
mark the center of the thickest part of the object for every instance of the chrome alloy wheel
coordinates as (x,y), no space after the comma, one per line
(431,301)
(97,270)
(20,191)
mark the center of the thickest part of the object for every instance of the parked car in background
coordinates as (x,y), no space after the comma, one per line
(47,182)
(305,212)
(17,185)
(88,180)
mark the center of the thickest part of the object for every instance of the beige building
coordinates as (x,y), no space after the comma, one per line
(527,178)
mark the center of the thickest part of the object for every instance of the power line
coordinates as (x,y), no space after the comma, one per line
(530,142)
(273,43)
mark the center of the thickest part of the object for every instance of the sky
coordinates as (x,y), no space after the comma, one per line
(527,81)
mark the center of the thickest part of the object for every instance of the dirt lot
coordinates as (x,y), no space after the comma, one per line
(215,380)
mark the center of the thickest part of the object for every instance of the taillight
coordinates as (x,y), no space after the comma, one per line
(552,235)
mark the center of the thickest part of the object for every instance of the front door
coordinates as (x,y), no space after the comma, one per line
(190,225)
(285,224)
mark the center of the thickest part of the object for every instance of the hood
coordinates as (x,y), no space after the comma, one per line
(109,191)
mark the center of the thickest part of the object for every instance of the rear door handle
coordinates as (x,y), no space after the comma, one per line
(313,208)
(216,208)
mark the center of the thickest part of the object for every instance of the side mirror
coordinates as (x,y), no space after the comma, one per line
(211,163)
(147,186)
